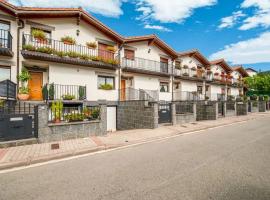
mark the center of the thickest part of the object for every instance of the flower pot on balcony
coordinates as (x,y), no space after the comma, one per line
(23,97)
(57,120)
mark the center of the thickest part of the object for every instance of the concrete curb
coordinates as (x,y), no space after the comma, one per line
(46,158)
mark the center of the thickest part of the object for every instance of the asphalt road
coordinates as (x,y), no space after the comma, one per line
(230,162)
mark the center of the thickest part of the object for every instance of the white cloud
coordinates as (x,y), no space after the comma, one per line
(228,22)
(261,16)
(157,27)
(110,8)
(169,11)
(255,50)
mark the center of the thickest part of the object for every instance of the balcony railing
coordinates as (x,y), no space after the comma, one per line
(187,96)
(146,65)
(60,49)
(5,39)
(8,89)
(128,94)
(64,92)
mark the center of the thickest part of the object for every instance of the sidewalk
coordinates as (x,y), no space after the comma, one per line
(36,153)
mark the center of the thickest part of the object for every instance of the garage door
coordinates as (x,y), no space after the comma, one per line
(111,118)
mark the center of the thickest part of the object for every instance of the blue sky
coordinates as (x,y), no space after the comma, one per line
(238,30)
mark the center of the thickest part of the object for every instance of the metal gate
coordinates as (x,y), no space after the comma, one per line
(221,109)
(19,121)
(164,112)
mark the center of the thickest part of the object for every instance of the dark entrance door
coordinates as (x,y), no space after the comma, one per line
(164,113)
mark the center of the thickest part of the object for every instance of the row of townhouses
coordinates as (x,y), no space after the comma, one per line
(73,57)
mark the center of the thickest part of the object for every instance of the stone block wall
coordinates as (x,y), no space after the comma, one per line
(206,111)
(137,115)
(241,108)
(262,106)
(63,131)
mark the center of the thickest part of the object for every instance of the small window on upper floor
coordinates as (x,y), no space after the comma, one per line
(177,65)
(4,33)
(164,87)
(129,54)
(106,82)
(199,89)
(4,73)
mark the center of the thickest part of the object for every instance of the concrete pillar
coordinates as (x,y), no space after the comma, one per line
(226,92)
(155,113)
(216,108)
(195,110)
(225,108)
(43,129)
(103,118)
(173,113)
(203,90)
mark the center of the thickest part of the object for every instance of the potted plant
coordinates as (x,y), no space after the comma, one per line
(74,116)
(95,113)
(81,93)
(68,40)
(68,97)
(106,86)
(57,109)
(24,77)
(111,49)
(39,36)
(45,92)
(23,94)
(91,45)
(51,92)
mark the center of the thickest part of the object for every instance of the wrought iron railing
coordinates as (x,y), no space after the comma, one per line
(8,89)
(147,65)
(128,94)
(183,107)
(61,49)
(5,39)
(63,92)
(73,114)
(187,96)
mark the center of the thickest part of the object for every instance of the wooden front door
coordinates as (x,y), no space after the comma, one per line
(123,90)
(35,85)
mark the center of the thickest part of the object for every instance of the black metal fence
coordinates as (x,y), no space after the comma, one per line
(128,94)
(73,114)
(18,121)
(8,89)
(62,49)
(183,107)
(230,105)
(148,65)
(64,92)
(5,39)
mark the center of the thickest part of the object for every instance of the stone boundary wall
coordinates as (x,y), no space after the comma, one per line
(63,131)
(206,110)
(262,106)
(241,108)
(137,115)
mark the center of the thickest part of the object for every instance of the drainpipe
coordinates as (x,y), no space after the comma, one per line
(119,71)
(172,77)
(20,26)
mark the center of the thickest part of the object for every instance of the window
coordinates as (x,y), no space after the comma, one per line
(4,34)
(4,73)
(176,86)
(199,89)
(105,82)
(177,65)
(48,34)
(164,65)
(164,87)
(129,54)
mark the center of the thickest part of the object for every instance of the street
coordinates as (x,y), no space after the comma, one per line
(231,162)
